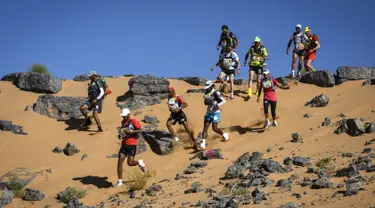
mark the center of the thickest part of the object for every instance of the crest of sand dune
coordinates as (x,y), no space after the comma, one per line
(239,118)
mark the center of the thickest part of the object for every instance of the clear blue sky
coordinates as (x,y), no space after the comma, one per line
(173,38)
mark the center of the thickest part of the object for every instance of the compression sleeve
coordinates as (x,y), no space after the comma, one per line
(222,102)
(101,93)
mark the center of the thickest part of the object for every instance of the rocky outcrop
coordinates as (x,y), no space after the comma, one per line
(6,198)
(9,126)
(144,91)
(38,82)
(283,80)
(324,78)
(197,81)
(353,127)
(81,78)
(345,73)
(12,77)
(33,195)
(159,141)
(59,107)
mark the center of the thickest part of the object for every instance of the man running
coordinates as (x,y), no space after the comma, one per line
(213,99)
(299,38)
(313,44)
(258,55)
(176,105)
(269,86)
(95,102)
(228,62)
(227,39)
(128,133)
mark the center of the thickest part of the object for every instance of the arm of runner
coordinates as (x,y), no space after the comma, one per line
(317,44)
(289,44)
(216,65)
(285,87)
(265,53)
(237,41)
(183,102)
(137,126)
(259,92)
(247,56)
(222,102)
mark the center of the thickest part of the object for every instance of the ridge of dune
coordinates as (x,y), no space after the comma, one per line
(34,151)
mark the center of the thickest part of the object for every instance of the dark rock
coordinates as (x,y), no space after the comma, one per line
(369,142)
(305,182)
(323,78)
(367,82)
(269,150)
(289,205)
(258,195)
(342,115)
(137,113)
(297,195)
(371,169)
(38,82)
(33,195)
(112,156)
(284,183)
(355,73)
(70,149)
(234,171)
(151,127)
(367,150)
(283,80)
(371,127)
(350,171)
(190,170)
(195,188)
(209,155)
(84,156)
(197,81)
(75,203)
(322,183)
(323,173)
(241,82)
(201,203)
(152,189)
(340,186)
(179,176)
(256,156)
(129,75)
(30,107)
(340,81)
(17,178)
(7,197)
(307,115)
(273,167)
(311,169)
(57,150)
(301,161)
(199,164)
(326,122)
(144,91)
(195,91)
(347,154)
(355,127)
(12,77)
(142,144)
(59,107)
(353,185)
(151,120)
(81,78)
(288,161)
(321,100)
(362,163)
(343,127)
(6,125)
(281,148)
(297,138)
(159,141)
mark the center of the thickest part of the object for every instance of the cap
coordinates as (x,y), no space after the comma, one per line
(92,73)
(170,87)
(307,29)
(266,71)
(257,39)
(300,26)
(208,84)
(125,112)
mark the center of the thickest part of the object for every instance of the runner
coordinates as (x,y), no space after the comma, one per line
(313,44)
(258,55)
(213,99)
(128,133)
(228,63)
(175,105)
(96,94)
(299,38)
(269,86)
(227,39)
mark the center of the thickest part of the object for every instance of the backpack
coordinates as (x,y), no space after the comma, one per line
(313,44)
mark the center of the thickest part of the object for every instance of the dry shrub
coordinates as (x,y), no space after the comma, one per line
(137,180)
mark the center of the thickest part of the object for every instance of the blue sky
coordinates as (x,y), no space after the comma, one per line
(175,38)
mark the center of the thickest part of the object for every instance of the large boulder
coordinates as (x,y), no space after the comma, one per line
(283,80)
(197,81)
(345,73)
(144,91)
(12,77)
(321,100)
(159,141)
(324,78)
(59,107)
(38,82)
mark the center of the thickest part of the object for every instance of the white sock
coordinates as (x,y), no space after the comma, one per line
(120,180)
(293,72)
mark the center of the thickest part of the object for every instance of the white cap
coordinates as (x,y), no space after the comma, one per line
(92,73)
(125,112)
(208,84)
(300,26)
(266,71)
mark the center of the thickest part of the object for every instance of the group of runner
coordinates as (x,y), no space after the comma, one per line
(305,46)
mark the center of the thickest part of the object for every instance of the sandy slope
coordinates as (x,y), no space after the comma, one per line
(34,151)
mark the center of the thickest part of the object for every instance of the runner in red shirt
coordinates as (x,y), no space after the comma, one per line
(128,132)
(269,86)
(312,45)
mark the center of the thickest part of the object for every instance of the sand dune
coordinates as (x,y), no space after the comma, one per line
(34,151)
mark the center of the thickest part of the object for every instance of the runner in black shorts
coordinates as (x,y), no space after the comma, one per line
(175,105)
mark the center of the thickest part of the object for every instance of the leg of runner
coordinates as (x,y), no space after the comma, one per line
(96,118)
(266,104)
(83,109)
(231,80)
(250,84)
(120,166)
(221,77)
(205,134)
(170,129)
(294,59)
(273,111)
(309,66)
(190,132)
(300,64)
(259,77)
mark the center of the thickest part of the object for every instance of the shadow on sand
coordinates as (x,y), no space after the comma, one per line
(100,182)
(74,124)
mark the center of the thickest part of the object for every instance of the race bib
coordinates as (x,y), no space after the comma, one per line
(300,46)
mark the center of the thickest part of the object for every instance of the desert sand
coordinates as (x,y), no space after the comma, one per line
(34,151)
